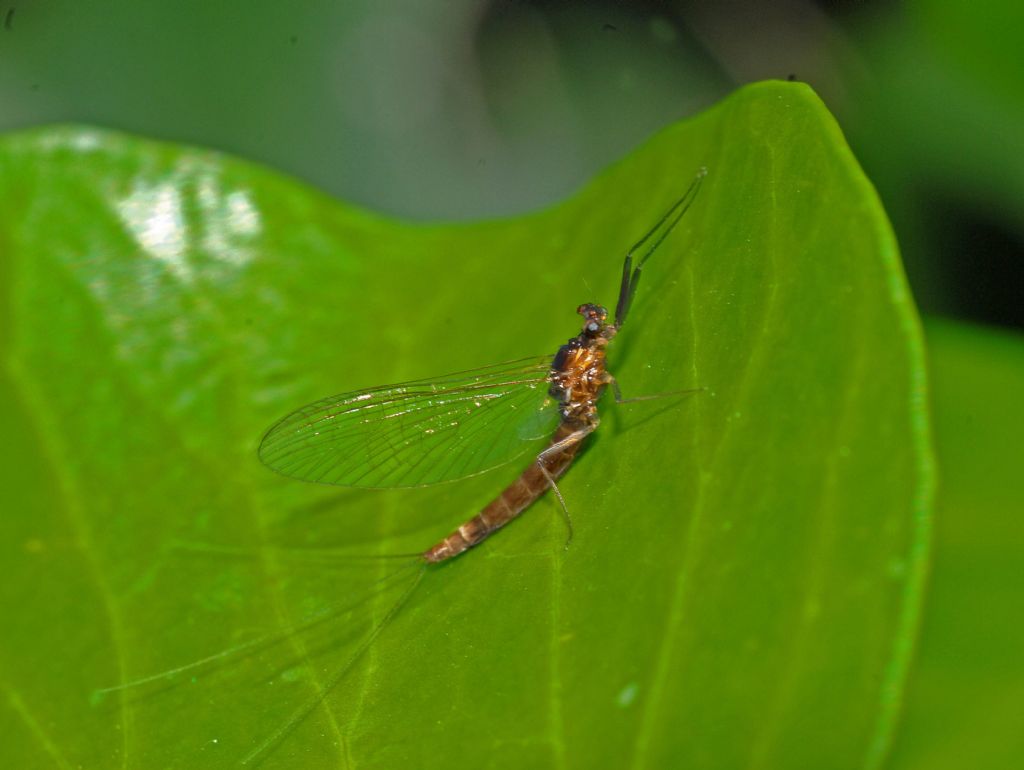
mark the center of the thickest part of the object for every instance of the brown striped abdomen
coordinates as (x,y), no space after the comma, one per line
(515,499)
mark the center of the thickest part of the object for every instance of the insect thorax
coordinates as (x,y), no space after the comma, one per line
(578,376)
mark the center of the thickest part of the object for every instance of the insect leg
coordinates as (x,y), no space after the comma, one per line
(553,451)
(631,275)
(650,397)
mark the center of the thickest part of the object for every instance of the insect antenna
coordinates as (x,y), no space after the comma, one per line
(631,275)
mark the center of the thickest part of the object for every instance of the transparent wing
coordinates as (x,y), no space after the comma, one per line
(417,433)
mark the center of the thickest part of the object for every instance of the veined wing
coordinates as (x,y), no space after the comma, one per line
(417,433)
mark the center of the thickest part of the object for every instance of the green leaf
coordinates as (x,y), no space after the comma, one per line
(972,636)
(743,585)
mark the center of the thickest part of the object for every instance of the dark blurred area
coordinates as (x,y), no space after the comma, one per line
(465,108)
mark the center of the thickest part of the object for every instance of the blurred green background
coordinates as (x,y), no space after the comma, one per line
(466,109)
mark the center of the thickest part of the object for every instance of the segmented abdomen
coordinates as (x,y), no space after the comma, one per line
(513,500)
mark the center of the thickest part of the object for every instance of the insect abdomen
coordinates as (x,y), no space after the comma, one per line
(514,499)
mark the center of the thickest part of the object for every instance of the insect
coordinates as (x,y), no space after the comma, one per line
(448,428)
(437,430)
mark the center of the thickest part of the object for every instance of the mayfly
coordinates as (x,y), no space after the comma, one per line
(448,428)
(443,429)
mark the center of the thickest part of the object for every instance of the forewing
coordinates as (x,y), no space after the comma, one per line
(417,433)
